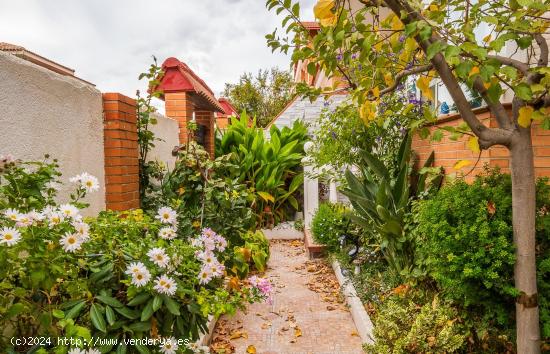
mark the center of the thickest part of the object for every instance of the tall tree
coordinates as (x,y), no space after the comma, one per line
(263,95)
(376,44)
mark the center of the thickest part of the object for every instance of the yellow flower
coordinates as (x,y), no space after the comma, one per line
(196,224)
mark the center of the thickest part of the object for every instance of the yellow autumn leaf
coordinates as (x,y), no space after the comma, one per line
(367,112)
(323,11)
(388,79)
(297,332)
(524,117)
(396,24)
(475,70)
(473,144)
(434,7)
(251,349)
(461,164)
(376,92)
(423,84)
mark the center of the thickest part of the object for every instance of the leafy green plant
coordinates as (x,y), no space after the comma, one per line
(118,276)
(253,253)
(146,137)
(329,223)
(465,236)
(382,200)
(269,168)
(205,194)
(403,326)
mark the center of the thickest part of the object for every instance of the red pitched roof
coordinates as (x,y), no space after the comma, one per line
(228,108)
(178,77)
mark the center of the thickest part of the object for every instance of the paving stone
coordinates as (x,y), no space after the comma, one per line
(323,331)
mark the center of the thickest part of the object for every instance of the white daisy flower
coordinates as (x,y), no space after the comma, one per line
(70,242)
(55,218)
(205,275)
(86,181)
(10,236)
(12,214)
(158,256)
(68,210)
(141,278)
(36,216)
(165,285)
(167,215)
(90,183)
(93,351)
(169,346)
(82,230)
(135,267)
(23,220)
(76,351)
(168,233)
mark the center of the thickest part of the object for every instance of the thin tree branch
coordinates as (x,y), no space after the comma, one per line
(498,110)
(403,74)
(521,66)
(487,136)
(543,45)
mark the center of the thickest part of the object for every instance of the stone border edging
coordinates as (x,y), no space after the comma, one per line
(361,318)
(206,338)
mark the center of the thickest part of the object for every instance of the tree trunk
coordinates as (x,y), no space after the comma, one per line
(523,218)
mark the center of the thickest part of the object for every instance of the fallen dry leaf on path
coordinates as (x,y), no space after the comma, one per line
(251,349)
(297,332)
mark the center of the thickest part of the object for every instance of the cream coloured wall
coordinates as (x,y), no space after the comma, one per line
(44,112)
(166,129)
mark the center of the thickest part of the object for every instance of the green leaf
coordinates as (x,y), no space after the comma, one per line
(58,313)
(157,303)
(139,299)
(111,301)
(523,91)
(75,310)
(97,318)
(434,48)
(126,312)
(140,326)
(110,315)
(172,306)
(147,311)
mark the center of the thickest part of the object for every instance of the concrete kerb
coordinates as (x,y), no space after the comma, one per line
(360,316)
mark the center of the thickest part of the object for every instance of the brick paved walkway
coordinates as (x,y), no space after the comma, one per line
(307,315)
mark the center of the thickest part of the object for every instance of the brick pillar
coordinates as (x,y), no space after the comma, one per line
(121,152)
(207,119)
(180,107)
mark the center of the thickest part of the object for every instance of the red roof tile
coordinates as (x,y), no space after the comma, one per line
(178,77)
(228,108)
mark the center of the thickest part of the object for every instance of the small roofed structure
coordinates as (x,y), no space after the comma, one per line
(223,119)
(188,98)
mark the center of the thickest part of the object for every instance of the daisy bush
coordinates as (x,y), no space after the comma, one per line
(118,276)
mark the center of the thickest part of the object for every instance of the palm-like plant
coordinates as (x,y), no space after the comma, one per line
(270,168)
(381,200)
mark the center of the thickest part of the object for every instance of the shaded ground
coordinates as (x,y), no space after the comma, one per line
(307,315)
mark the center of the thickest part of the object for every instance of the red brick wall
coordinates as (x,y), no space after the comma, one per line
(121,152)
(448,152)
(180,107)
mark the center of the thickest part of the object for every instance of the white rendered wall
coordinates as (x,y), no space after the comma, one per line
(167,130)
(45,112)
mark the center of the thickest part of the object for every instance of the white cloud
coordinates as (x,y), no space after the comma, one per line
(110,42)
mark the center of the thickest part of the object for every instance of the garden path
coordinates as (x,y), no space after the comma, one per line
(307,313)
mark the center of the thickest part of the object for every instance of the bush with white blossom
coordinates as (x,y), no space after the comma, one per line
(119,275)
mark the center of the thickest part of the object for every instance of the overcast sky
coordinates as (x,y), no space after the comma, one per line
(109,42)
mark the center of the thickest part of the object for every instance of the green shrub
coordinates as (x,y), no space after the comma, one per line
(404,326)
(118,276)
(254,252)
(465,236)
(270,169)
(329,223)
